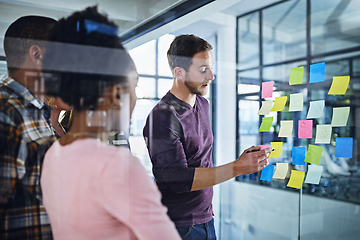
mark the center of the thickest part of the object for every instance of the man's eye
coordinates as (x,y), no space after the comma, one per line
(203,70)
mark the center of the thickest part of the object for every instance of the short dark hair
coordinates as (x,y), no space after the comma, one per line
(25,28)
(82,89)
(183,49)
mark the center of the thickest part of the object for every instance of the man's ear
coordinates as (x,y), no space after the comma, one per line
(35,54)
(115,95)
(179,73)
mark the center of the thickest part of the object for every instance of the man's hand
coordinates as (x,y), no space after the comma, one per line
(252,162)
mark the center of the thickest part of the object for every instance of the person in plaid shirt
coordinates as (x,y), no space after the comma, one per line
(25,132)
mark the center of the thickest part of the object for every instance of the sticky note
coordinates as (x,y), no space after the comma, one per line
(267,89)
(339,85)
(314,174)
(298,155)
(316,109)
(305,128)
(296,76)
(279,104)
(286,128)
(313,154)
(323,133)
(317,72)
(266,124)
(296,179)
(340,116)
(267,173)
(281,170)
(265,107)
(263,146)
(277,146)
(343,147)
(296,102)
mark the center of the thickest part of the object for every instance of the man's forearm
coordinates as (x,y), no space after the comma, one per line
(208,177)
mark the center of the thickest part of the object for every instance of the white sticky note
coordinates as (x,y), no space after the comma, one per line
(286,128)
(281,170)
(316,109)
(323,133)
(265,107)
(296,102)
(313,175)
(340,116)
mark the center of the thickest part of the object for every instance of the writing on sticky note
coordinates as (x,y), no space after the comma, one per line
(316,109)
(296,179)
(296,76)
(278,147)
(281,170)
(279,104)
(343,147)
(305,128)
(313,154)
(263,146)
(317,72)
(265,107)
(266,124)
(313,175)
(267,89)
(298,155)
(286,128)
(339,85)
(267,173)
(296,102)
(323,133)
(340,116)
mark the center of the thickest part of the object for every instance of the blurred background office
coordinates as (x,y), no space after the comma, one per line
(253,41)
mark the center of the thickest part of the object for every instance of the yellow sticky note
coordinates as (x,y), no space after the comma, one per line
(339,85)
(286,128)
(279,104)
(296,76)
(281,170)
(277,146)
(296,179)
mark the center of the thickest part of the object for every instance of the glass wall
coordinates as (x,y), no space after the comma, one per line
(270,42)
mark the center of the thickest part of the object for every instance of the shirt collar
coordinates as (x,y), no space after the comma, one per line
(22,91)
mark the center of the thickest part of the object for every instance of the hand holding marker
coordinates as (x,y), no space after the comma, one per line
(256,150)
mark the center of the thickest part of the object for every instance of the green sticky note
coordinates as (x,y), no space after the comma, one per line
(279,104)
(296,76)
(340,116)
(313,154)
(266,124)
(339,85)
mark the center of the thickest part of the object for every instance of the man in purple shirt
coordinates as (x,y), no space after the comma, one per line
(179,140)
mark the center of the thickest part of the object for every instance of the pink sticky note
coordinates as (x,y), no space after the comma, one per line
(267,89)
(263,146)
(305,128)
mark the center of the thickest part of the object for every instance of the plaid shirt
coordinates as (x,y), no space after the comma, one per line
(25,135)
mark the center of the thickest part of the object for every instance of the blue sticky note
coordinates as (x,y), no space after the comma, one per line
(267,173)
(344,147)
(298,155)
(317,72)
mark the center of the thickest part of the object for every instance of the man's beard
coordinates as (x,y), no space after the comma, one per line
(193,89)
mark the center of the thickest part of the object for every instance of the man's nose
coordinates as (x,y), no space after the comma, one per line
(211,75)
